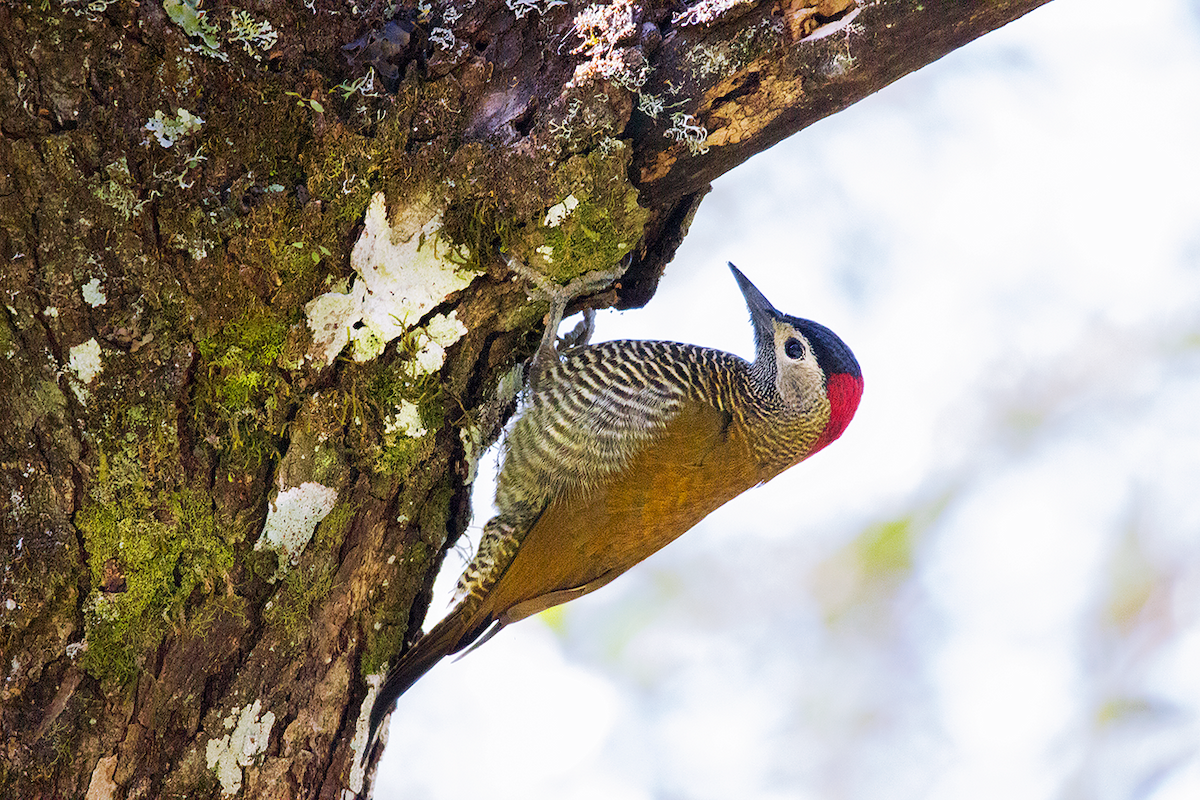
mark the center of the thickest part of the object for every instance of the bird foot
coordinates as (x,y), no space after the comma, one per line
(560,297)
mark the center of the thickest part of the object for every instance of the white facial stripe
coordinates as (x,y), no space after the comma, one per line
(800,381)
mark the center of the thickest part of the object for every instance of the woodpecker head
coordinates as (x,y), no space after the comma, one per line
(804,361)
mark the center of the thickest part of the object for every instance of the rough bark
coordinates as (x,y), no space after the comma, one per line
(234,258)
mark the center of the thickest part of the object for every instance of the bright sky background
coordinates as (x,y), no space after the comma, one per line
(990,586)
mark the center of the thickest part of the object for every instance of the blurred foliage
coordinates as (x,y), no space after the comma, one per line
(870,568)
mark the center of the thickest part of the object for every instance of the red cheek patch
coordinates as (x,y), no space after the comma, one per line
(844,393)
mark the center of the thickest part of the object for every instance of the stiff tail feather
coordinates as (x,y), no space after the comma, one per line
(447,638)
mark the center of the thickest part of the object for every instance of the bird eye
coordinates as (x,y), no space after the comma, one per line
(794,348)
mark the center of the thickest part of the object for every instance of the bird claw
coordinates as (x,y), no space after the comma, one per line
(581,334)
(560,297)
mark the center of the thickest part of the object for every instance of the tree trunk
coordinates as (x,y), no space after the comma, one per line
(257,328)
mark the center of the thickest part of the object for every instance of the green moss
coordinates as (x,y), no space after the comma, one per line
(384,646)
(156,558)
(301,590)
(388,386)
(288,249)
(342,169)
(240,391)
(398,455)
(376,391)
(476,228)
(387,636)
(436,508)
(605,223)
(345,168)
(161,550)
(332,530)
(201,619)
(290,610)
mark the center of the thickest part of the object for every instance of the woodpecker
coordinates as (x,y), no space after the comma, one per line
(622,447)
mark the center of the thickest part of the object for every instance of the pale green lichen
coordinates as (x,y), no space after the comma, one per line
(118,191)
(249,734)
(403,272)
(559,211)
(685,128)
(194,21)
(405,419)
(168,130)
(444,39)
(85,363)
(707,61)
(583,123)
(650,104)
(364,86)
(432,340)
(601,28)
(522,7)
(89,9)
(292,518)
(255,37)
(93,293)
(705,12)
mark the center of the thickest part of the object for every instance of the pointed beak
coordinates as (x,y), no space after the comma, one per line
(762,313)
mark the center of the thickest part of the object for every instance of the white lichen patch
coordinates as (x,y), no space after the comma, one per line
(442,331)
(331,317)
(255,37)
(247,739)
(445,329)
(706,61)
(601,28)
(685,128)
(405,420)
(93,293)
(403,272)
(560,211)
(362,725)
(85,362)
(169,129)
(292,519)
(845,23)
(444,39)
(522,7)
(706,12)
